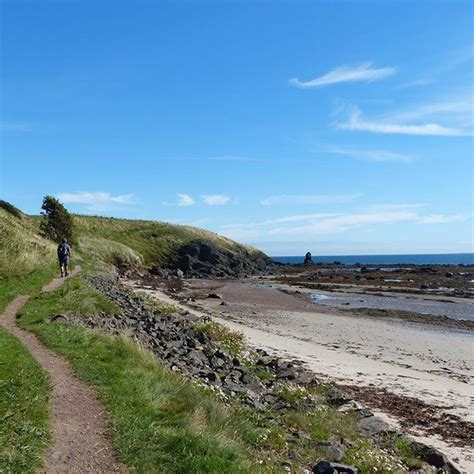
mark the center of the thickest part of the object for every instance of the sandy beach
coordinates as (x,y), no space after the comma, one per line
(408,360)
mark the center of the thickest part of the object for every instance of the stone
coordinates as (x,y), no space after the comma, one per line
(214,296)
(373,425)
(233,387)
(336,396)
(197,357)
(326,467)
(59,318)
(335,451)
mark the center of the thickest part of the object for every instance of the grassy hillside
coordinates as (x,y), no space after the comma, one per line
(131,243)
(27,261)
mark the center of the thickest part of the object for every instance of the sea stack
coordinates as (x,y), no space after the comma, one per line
(308,260)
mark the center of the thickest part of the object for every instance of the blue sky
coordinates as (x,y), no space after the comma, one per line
(335,127)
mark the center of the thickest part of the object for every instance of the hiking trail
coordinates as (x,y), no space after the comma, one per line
(79,423)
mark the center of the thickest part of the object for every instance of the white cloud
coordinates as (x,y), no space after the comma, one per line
(97,201)
(308,199)
(460,111)
(368,154)
(216,199)
(185,200)
(363,72)
(304,226)
(441,219)
(415,83)
(357,123)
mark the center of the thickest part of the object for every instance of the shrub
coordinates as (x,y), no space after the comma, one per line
(57,223)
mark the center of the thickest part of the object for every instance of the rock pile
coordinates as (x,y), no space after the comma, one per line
(181,346)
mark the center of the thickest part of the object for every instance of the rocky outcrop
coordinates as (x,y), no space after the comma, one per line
(308,259)
(205,259)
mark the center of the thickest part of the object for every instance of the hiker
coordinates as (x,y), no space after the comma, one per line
(64,252)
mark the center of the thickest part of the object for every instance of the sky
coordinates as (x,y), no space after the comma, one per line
(339,128)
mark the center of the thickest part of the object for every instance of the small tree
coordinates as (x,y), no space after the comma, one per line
(57,223)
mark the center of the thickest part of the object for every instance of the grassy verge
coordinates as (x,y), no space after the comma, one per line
(24,415)
(25,284)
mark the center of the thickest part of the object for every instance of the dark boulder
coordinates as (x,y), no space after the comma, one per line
(326,467)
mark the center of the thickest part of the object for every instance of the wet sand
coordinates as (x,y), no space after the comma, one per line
(451,308)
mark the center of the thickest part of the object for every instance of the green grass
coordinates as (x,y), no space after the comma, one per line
(232,341)
(24,414)
(159,419)
(153,242)
(27,261)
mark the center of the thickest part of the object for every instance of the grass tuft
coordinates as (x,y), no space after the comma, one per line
(232,341)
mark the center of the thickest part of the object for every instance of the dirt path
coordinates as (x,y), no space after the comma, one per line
(80,442)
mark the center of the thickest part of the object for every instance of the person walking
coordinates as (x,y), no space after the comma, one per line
(64,254)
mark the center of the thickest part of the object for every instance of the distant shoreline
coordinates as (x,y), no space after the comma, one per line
(396,259)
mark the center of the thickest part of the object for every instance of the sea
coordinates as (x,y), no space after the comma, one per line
(416,259)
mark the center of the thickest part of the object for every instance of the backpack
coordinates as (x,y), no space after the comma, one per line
(63,250)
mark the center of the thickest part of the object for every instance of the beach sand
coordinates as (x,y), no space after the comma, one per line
(421,361)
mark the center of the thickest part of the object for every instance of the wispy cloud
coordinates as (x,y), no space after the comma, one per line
(442,219)
(185,200)
(216,199)
(363,72)
(458,111)
(368,154)
(356,122)
(97,201)
(304,225)
(308,199)
(415,83)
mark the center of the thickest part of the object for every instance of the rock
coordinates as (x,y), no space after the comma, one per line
(224,303)
(335,451)
(326,467)
(59,318)
(373,425)
(233,386)
(308,260)
(215,296)
(197,357)
(435,458)
(336,396)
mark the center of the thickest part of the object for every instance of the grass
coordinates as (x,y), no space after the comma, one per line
(232,341)
(24,415)
(27,261)
(158,417)
(155,242)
